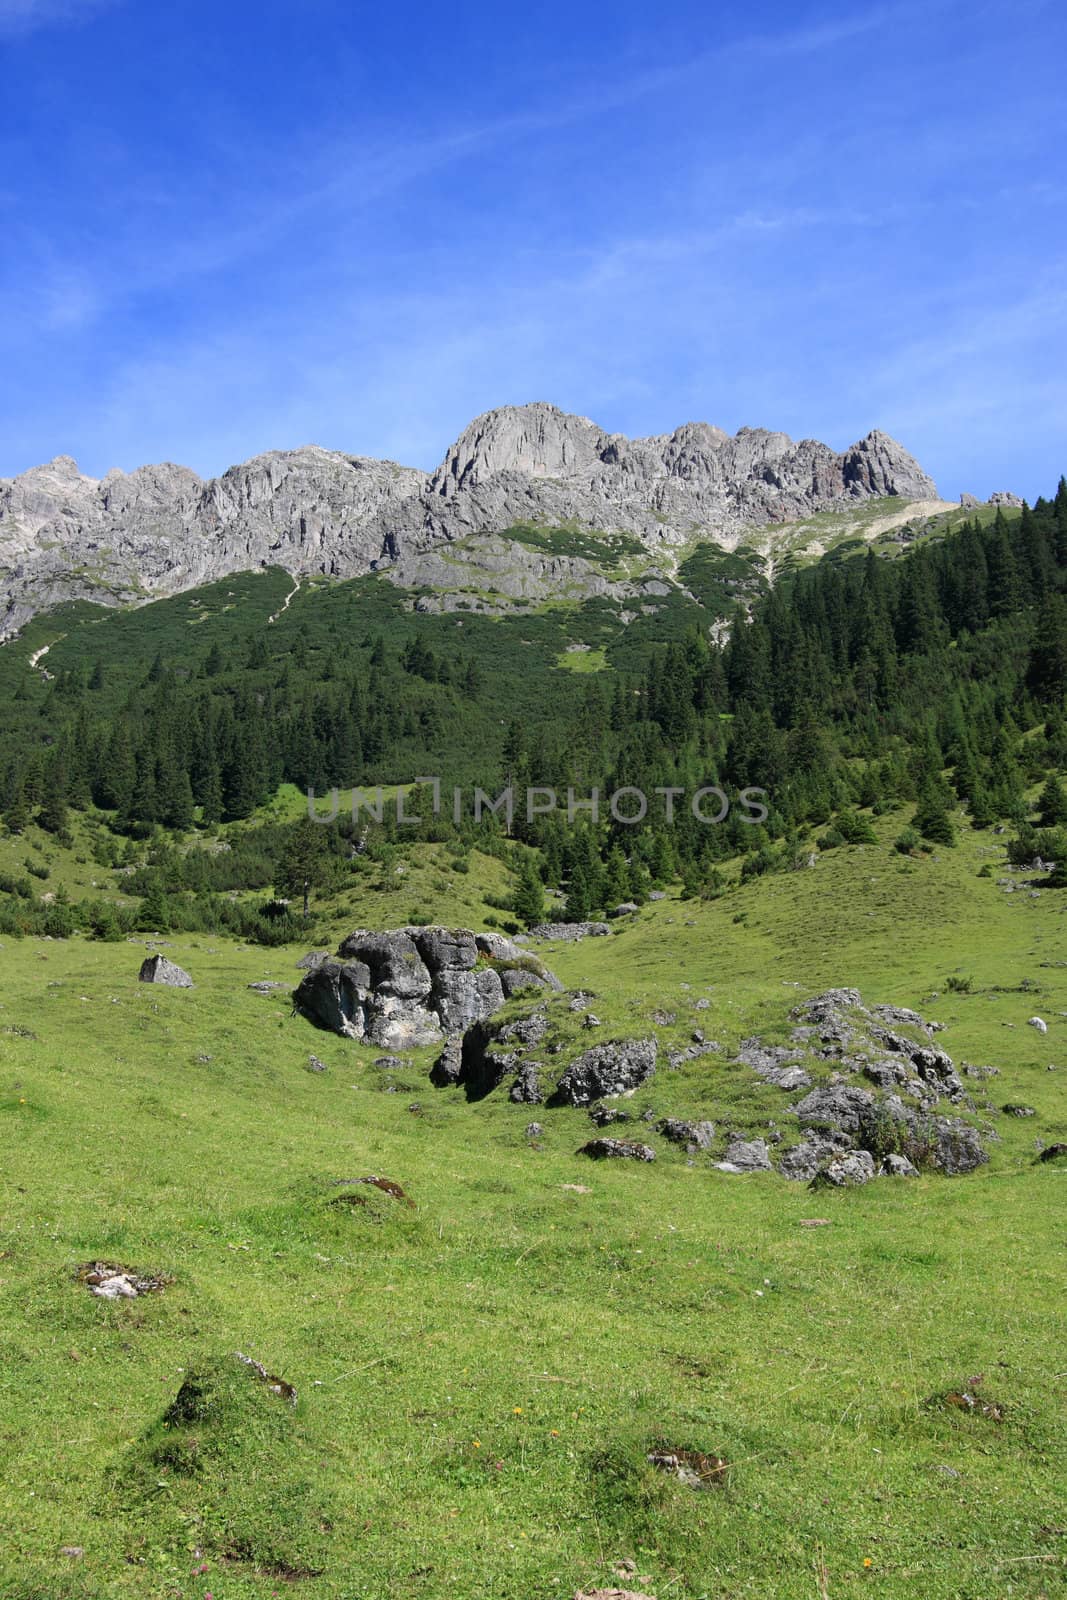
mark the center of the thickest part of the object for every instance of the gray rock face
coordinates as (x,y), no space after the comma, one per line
(157,969)
(161,529)
(606,1069)
(405,988)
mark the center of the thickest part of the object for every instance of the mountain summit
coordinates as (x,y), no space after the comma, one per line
(161,529)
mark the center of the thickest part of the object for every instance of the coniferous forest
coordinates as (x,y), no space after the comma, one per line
(937,679)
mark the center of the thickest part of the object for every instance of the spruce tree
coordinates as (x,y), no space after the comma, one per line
(529,902)
(932,818)
(1052,804)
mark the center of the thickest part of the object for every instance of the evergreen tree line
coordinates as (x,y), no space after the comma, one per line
(851,685)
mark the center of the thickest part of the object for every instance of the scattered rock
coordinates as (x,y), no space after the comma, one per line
(628,908)
(746,1155)
(815,1222)
(896,1166)
(315,1065)
(534,1130)
(694,1135)
(570,931)
(957,1147)
(580,999)
(802,1162)
(1039,1023)
(386,1185)
(526,1088)
(604,1116)
(691,1467)
(845,1171)
(266,988)
(276,1385)
(606,1069)
(611,1594)
(775,1064)
(389,1063)
(110,1281)
(1013,1110)
(968,1402)
(157,969)
(836,1105)
(1053,1152)
(73,1552)
(626,1148)
(693,1052)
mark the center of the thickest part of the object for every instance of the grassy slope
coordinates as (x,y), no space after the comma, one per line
(671,1300)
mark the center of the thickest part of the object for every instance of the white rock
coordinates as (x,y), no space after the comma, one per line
(117,1288)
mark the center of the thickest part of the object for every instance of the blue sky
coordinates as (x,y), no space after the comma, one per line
(232,227)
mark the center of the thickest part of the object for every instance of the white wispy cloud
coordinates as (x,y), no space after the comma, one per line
(25,16)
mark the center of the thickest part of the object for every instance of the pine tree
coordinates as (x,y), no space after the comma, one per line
(529,902)
(1052,804)
(301,865)
(17,815)
(53,815)
(579,896)
(932,818)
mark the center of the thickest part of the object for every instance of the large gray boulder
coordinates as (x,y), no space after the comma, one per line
(409,986)
(332,996)
(607,1069)
(157,969)
(392,961)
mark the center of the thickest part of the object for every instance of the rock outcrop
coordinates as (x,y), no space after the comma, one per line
(412,986)
(161,530)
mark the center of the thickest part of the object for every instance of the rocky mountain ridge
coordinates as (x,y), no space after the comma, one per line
(161,529)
